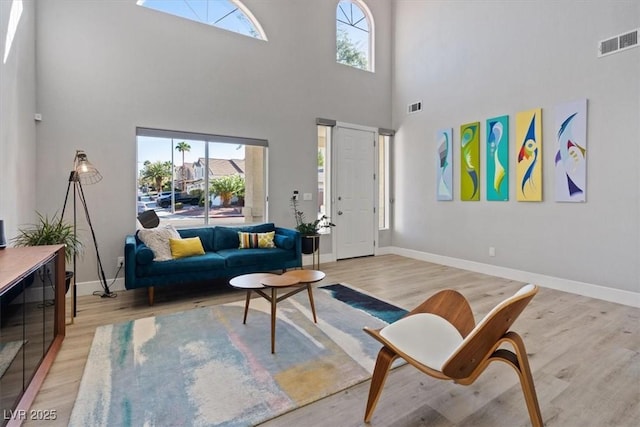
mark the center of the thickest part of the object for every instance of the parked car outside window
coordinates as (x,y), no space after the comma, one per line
(164,199)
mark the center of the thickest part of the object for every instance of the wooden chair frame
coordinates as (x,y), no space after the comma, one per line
(481,346)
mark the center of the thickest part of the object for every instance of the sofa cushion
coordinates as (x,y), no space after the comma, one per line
(258,228)
(227,237)
(204,233)
(157,239)
(208,261)
(256,240)
(181,248)
(254,257)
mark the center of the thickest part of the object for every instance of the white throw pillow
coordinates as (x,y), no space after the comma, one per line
(157,239)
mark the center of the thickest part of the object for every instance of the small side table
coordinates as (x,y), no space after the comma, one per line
(315,255)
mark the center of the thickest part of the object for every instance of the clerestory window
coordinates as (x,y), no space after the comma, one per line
(230,15)
(354,35)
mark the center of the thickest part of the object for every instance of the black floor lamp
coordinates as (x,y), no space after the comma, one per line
(84,173)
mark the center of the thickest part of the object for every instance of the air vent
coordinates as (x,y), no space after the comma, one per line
(415,107)
(629,39)
(618,43)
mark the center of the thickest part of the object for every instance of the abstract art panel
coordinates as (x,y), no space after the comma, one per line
(498,158)
(529,155)
(444,164)
(470,161)
(571,154)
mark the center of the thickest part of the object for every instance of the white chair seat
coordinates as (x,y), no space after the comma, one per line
(425,337)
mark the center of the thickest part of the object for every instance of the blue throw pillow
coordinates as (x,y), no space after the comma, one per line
(284,242)
(144,255)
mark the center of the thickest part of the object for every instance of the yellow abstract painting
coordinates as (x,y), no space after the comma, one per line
(529,155)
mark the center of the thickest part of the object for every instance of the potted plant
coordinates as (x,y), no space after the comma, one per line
(310,230)
(51,231)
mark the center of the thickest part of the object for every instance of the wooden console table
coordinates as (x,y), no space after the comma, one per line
(32,323)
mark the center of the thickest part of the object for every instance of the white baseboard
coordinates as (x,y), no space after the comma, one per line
(386,250)
(572,286)
(580,288)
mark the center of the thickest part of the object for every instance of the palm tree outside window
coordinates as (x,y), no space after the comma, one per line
(182,147)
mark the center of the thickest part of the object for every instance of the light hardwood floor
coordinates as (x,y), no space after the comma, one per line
(584,354)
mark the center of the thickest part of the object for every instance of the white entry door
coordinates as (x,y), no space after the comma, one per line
(354,202)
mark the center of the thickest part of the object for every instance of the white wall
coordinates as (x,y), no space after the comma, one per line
(469,61)
(17,127)
(106,67)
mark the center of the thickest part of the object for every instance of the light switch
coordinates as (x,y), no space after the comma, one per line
(307,196)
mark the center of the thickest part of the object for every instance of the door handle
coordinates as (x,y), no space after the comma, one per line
(339,212)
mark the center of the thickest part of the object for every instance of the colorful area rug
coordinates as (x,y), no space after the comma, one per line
(203,367)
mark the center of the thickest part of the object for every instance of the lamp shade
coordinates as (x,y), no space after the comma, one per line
(85,172)
(149,219)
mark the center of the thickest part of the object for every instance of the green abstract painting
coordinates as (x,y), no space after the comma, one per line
(470,161)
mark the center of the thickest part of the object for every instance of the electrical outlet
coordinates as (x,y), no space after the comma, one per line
(492,251)
(120,262)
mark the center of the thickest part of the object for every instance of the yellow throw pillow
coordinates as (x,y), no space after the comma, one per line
(256,240)
(181,248)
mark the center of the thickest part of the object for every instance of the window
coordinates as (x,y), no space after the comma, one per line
(226,14)
(383,182)
(324,177)
(354,35)
(12,27)
(194,179)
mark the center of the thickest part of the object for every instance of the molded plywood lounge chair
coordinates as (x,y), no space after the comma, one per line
(440,338)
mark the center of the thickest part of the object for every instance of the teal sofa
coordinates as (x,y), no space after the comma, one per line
(222,257)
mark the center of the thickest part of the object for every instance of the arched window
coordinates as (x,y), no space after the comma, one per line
(354,35)
(230,15)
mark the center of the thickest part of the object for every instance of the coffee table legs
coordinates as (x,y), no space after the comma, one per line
(246,307)
(274,300)
(313,306)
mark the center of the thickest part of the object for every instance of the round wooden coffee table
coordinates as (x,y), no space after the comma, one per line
(260,282)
